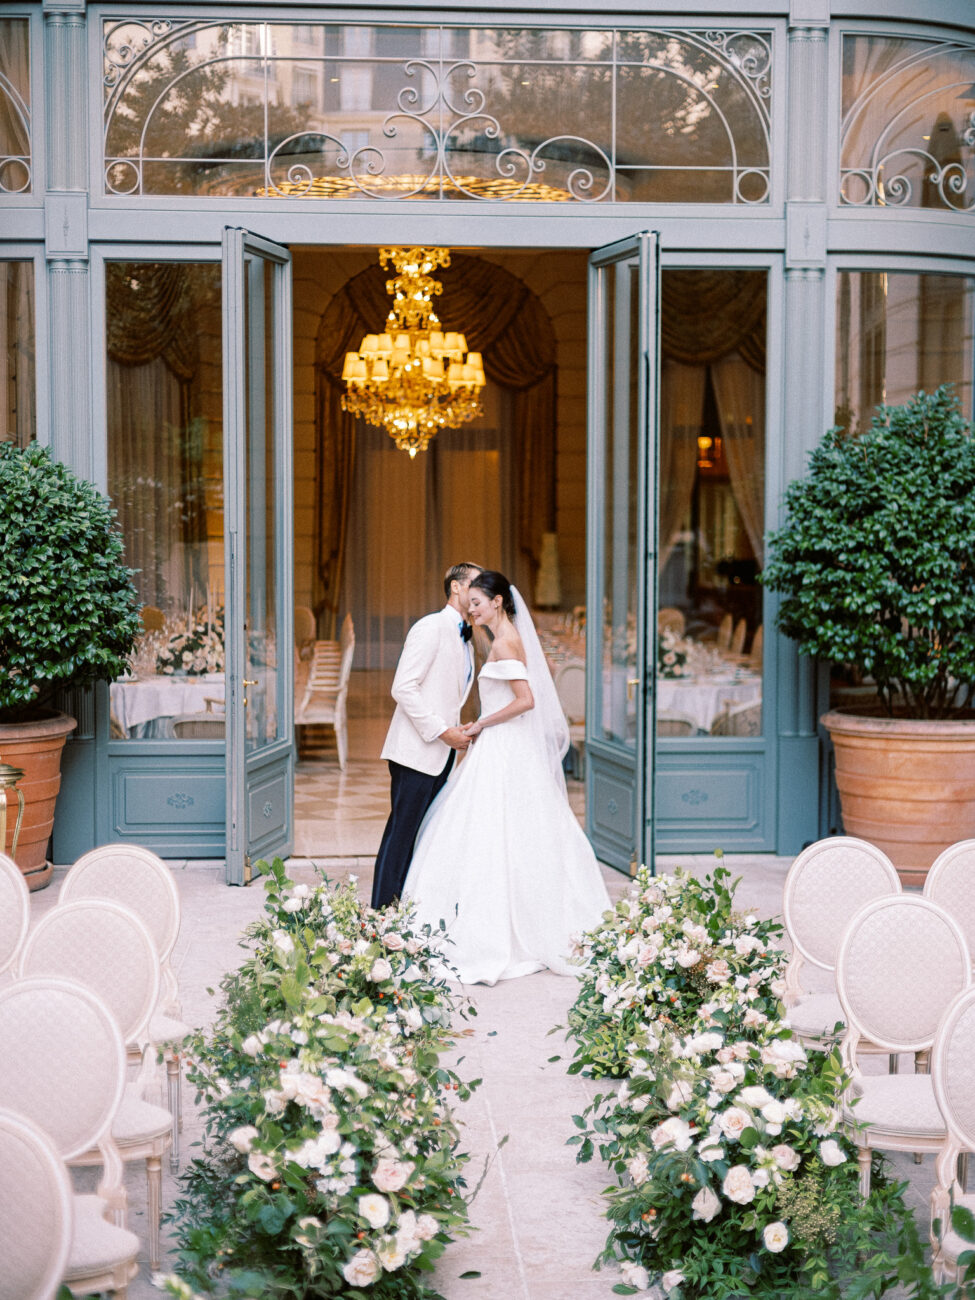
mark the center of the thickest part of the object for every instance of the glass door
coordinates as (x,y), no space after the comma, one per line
(621,617)
(258,524)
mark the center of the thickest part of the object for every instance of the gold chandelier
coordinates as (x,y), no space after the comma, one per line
(413,379)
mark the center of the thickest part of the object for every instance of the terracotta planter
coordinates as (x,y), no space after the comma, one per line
(35,747)
(905,785)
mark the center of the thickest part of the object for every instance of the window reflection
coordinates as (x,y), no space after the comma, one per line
(15,144)
(17,353)
(712,504)
(165,478)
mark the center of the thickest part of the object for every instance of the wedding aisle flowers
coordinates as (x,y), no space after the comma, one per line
(331,1161)
(733,1177)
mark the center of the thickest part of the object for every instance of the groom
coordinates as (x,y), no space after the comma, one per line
(433,678)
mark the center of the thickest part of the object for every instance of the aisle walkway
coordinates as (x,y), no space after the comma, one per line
(538,1213)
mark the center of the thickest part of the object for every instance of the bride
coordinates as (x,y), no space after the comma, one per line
(501,859)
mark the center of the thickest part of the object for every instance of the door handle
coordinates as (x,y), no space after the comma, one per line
(630,684)
(249,681)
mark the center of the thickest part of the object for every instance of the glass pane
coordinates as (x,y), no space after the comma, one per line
(506,114)
(900,332)
(262,694)
(712,504)
(17,353)
(908,137)
(617,715)
(165,476)
(15,145)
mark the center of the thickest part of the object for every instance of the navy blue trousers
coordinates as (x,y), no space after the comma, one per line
(411,793)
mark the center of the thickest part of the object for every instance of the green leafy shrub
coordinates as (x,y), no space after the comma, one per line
(69,614)
(331,1162)
(876,559)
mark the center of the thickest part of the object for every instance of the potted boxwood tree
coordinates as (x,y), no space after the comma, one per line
(69,616)
(876,563)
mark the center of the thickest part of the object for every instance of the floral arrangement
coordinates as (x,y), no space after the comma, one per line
(331,1162)
(673,653)
(733,1177)
(196,651)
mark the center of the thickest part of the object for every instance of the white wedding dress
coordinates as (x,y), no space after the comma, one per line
(501,858)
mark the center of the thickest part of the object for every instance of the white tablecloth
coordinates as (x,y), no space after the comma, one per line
(704,698)
(137,702)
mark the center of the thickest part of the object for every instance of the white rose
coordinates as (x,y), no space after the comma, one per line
(672,1132)
(374,1209)
(738,1185)
(381,971)
(774,1112)
(687,957)
(723,1080)
(638,1169)
(427,1227)
(671,1280)
(680,1094)
(283,942)
(390,1175)
(705,1205)
(261,1165)
(252,1044)
(754,1018)
(394,942)
(755,1096)
(635,1274)
(362,1269)
(785,1157)
(776,1237)
(711,1151)
(831,1153)
(639,1104)
(243,1138)
(411,1016)
(733,1122)
(293,905)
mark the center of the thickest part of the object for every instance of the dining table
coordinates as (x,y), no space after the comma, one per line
(142,706)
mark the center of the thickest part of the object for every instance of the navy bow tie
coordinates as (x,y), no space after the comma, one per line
(466,631)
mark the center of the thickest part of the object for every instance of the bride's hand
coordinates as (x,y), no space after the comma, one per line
(473,729)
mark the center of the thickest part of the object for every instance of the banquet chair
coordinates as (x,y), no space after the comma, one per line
(949,883)
(901,961)
(326,691)
(570,685)
(304,629)
(724,632)
(953,1080)
(671,619)
(63,1068)
(14,911)
(758,646)
(141,881)
(105,947)
(676,724)
(737,645)
(825,886)
(35,1192)
(738,720)
(199,726)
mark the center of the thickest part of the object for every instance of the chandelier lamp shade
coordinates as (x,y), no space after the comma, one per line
(413,379)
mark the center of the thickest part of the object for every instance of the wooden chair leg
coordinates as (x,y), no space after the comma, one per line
(154,1207)
(174,1067)
(864,1157)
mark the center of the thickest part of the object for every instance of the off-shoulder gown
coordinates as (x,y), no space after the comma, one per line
(501,858)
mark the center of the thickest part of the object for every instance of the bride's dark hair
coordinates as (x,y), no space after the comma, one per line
(494,584)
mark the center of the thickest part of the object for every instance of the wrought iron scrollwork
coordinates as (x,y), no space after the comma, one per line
(16,172)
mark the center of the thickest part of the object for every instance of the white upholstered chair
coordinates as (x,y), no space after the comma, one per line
(304,629)
(63,1068)
(725,629)
(826,885)
(738,720)
(141,881)
(953,1080)
(676,724)
(38,1211)
(323,701)
(570,685)
(737,645)
(900,963)
(950,883)
(757,648)
(14,911)
(107,948)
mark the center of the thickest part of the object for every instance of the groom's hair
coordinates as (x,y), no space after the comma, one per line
(459,573)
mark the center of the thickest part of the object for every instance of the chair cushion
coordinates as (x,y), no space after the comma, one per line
(164,1029)
(951,1244)
(96,1244)
(139,1121)
(815,1015)
(896,1104)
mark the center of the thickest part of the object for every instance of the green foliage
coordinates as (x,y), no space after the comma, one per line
(875,559)
(68,610)
(331,1157)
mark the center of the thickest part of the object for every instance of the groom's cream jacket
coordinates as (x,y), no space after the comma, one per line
(433,678)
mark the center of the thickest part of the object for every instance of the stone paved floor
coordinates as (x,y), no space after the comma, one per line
(538,1213)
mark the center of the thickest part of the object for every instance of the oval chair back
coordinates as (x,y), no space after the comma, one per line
(38,1211)
(14,911)
(950,883)
(900,963)
(107,948)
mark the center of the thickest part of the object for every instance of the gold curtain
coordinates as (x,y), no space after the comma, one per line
(506,323)
(707,314)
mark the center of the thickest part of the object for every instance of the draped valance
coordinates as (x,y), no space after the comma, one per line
(709,314)
(152,312)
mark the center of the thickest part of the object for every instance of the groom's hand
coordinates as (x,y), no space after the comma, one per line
(455,737)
